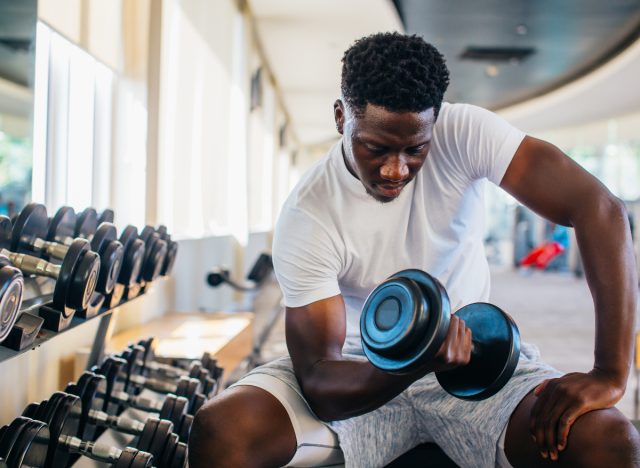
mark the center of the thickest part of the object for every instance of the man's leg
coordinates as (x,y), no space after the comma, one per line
(599,438)
(243,426)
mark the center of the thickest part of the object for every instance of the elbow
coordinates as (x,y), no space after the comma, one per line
(605,209)
(320,402)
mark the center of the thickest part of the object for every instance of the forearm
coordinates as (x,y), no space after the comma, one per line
(340,388)
(603,235)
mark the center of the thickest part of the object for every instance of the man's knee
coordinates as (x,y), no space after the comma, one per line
(243,426)
(604,438)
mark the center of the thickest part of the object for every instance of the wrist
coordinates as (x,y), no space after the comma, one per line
(617,377)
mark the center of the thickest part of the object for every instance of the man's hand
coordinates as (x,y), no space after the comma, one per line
(455,351)
(563,400)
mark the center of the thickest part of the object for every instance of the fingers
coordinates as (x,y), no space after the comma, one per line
(540,388)
(540,414)
(565,422)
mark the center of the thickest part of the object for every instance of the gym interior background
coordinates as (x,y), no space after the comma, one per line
(201,116)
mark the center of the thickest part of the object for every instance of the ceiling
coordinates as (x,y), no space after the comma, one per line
(17,40)
(567,39)
(304,42)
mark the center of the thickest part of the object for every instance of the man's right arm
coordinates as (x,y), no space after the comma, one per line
(339,388)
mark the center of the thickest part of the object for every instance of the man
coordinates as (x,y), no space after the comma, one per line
(403,188)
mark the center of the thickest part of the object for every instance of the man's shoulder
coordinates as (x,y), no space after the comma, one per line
(314,186)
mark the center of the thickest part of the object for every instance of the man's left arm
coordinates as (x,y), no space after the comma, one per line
(554,186)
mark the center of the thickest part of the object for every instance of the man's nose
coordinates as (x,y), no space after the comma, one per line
(394,169)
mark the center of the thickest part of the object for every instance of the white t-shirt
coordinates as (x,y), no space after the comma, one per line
(333,238)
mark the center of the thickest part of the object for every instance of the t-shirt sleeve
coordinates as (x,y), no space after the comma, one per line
(305,259)
(485,142)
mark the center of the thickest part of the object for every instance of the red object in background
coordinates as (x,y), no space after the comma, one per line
(541,256)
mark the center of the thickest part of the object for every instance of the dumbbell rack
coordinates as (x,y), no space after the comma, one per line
(38,293)
(115,438)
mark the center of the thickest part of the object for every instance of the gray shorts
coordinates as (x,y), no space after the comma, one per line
(470,433)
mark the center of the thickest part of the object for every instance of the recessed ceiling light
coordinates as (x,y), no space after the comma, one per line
(492,71)
(522,30)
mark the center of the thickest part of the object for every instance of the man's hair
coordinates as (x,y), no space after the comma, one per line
(397,72)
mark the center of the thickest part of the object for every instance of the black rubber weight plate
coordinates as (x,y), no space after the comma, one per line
(31,447)
(129,234)
(66,272)
(31,224)
(149,432)
(10,434)
(168,408)
(105,233)
(87,223)
(84,281)
(496,341)
(5,233)
(107,216)
(62,225)
(11,289)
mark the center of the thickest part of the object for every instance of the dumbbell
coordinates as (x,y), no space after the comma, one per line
(405,320)
(107,216)
(113,367)
(92,390)
(148,358)
(155,254)
(196,389)
(153,434)
(11,291)
(172,249)
(136,364)
(31,234)
(75,278)
(61,414)
(193,369)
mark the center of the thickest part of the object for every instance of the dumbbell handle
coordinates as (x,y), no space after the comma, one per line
(96,451)
(164,369)
(32,265)
(119,423)
(52,249)
(153,384)
(137,402)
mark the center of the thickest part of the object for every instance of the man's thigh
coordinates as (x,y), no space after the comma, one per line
(372,439)
(469,431)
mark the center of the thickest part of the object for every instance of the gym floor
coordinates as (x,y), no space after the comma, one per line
(554,311)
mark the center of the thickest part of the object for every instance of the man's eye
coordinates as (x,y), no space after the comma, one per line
(416,149)
(375,149)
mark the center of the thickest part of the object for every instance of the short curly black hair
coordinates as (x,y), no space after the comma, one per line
(399,72)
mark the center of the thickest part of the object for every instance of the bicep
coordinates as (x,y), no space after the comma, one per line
(315,332)
(543,178)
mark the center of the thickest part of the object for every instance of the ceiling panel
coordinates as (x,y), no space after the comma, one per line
(569,38)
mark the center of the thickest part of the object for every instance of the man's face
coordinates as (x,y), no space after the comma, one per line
(383,149)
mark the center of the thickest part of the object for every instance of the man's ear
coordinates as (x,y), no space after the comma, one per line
(339,115)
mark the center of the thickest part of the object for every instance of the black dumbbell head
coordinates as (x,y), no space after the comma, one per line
(84,281)
(32,224)
(63,225)
(30,445)
(404,321)
(496,343)
(6,232)
(76,251)
(107,216)
(87,223)
(11,291)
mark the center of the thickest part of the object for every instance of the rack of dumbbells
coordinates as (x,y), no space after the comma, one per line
(133,410)
(57,274)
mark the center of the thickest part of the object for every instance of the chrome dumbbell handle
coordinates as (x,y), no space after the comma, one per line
(126,425)
(32,265)
(52,249)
